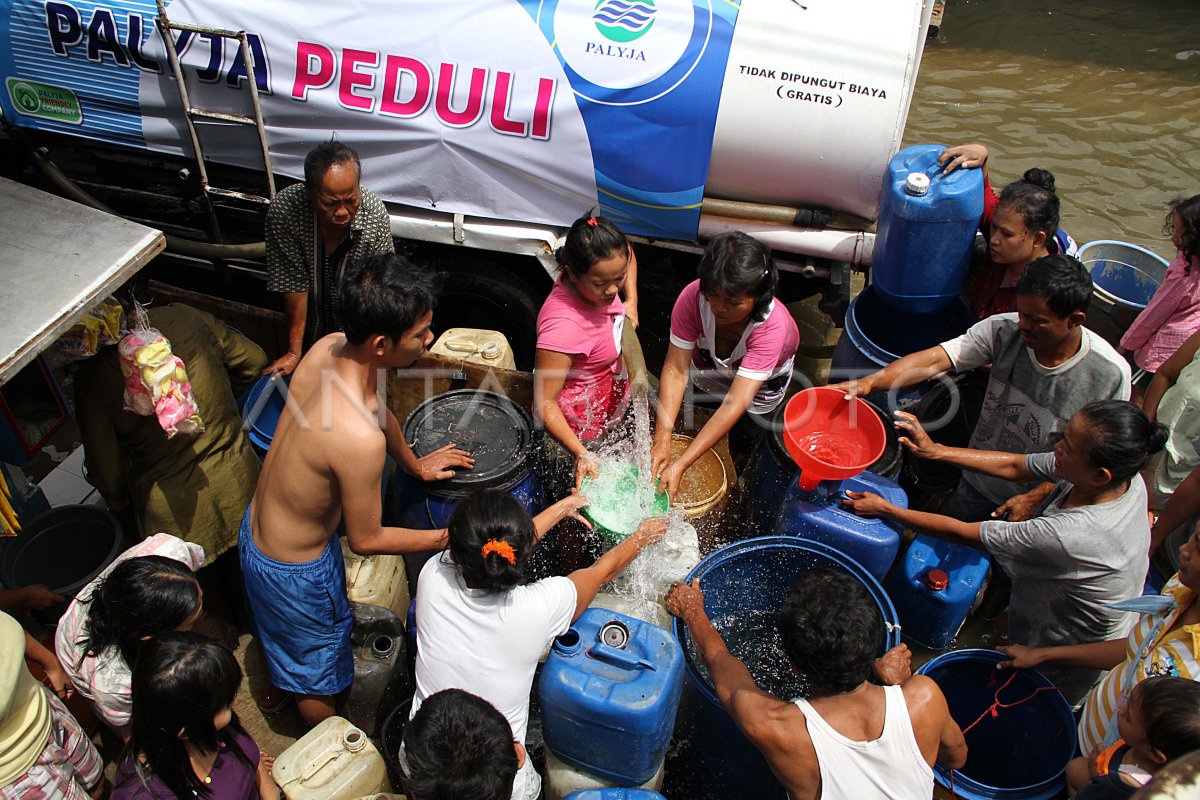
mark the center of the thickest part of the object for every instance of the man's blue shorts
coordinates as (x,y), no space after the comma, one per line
(301,617)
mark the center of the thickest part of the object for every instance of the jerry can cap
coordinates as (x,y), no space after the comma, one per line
(937,579)
(916,183)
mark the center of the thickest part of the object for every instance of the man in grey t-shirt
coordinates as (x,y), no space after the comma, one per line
(1045,367)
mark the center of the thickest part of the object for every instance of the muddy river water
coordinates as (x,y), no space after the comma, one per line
(1104,93)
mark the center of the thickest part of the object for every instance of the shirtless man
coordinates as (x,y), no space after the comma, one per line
(830,629)
(325,464)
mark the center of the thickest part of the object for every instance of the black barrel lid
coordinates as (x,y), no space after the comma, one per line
(492,428)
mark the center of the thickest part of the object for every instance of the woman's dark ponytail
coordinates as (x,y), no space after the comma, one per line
(1122,437)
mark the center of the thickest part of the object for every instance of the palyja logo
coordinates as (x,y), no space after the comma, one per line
(624,20)
(624,44)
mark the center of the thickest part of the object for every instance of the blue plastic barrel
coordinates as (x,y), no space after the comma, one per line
(615,794)
(609,694)
(771,470)
(926,230)
(820,517)
(493,429)
(1124,278)
(1021,752)
(261,406)
(934,586)
(875,335)
(744,581)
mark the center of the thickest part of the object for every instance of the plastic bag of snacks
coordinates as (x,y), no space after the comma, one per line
(99,328)
(156,381)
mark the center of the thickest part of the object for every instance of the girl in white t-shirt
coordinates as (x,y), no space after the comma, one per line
(736,342)
(481,628)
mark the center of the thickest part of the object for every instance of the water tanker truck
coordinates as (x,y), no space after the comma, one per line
(486,126)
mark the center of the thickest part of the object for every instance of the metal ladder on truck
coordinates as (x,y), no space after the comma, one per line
(191,113)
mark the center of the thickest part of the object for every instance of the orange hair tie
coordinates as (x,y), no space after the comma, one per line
(501,548)
(591,222)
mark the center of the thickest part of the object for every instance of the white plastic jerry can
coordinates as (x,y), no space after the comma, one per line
(333,761)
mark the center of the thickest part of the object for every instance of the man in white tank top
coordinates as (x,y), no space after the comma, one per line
(851,739)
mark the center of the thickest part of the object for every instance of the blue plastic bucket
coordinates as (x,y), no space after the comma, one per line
(750,575)
(1124,278)
(876,334)
(1021,753)
(261,406)
(770,471)
(493,429)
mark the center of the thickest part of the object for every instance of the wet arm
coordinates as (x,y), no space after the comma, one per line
(589,580)
(1093,655)
(1183,504)
(549,376)
(671,386)
(1168,374)
(741,395)
(907,371)
(358,471)
(938,525)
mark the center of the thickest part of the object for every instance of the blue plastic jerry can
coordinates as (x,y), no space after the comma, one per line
(820,516)
(934,587)
(609,693)
(926,230)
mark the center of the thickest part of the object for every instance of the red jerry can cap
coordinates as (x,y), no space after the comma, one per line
(937,579)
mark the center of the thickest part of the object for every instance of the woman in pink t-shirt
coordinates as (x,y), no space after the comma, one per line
(1173,313)
(736,341)
(579,374)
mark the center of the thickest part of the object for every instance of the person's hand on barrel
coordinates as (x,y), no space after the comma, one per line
(684,599)
(284,365)
(1020,656)
(856,387)
(586,466)
(895,666)
(29,598)
(867,504)
(967,156)
(440,464)
(914,437)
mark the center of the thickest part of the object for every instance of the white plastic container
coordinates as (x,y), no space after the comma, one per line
(475,346)
(647,610)
(654,570)
(376,581)
(333,761)
(561,779)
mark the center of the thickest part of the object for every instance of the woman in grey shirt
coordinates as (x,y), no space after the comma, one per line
(1087,545)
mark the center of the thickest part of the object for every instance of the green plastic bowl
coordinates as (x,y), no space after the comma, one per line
(613,501)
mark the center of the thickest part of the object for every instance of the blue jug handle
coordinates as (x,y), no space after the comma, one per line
(619,657)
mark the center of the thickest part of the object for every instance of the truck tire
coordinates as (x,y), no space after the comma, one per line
(483,294)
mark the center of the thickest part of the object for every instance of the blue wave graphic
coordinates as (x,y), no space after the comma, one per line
(634,17)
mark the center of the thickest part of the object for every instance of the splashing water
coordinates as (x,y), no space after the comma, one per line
(644,584)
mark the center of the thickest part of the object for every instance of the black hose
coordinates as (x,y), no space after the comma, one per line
(175,244)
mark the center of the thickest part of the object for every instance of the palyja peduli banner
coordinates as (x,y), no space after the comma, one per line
(530,110)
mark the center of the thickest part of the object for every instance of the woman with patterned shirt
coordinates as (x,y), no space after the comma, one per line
(1165,641)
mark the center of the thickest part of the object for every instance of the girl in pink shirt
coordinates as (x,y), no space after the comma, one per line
(1173,314)
(735,341)
(579,374)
